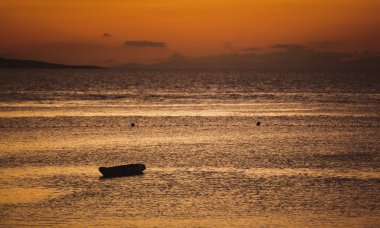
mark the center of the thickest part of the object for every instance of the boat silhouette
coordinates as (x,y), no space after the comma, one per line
(123,170)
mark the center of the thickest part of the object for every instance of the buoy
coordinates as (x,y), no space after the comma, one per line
(133,125)
(258,123)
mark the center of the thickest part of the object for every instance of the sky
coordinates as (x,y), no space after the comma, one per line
(113,32)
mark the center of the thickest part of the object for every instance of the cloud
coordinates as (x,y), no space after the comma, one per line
(176,57)
(327,44)
(251,49)
(228,45)
(144,43)
(289,47)
(106,35)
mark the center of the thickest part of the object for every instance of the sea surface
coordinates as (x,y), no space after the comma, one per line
(313,161)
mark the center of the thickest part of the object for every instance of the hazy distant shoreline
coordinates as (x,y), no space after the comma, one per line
(284,60)
(32,64)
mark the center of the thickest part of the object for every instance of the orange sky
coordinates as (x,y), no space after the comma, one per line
(71,31)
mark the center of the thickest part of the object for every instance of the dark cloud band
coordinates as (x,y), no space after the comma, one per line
(289,47)
(144,43)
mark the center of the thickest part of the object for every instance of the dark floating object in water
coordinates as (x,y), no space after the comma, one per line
(258,123)
(123,170)
(133,125)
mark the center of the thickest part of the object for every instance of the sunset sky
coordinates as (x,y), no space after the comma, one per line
(119,31)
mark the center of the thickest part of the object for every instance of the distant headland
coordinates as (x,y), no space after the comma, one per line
(32,64)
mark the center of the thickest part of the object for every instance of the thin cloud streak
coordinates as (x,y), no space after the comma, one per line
(144,43)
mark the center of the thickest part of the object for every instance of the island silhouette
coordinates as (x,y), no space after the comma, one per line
(6,63)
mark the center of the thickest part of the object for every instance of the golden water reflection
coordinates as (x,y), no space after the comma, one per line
(27,195)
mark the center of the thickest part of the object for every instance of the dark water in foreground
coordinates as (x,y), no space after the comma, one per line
(314,161)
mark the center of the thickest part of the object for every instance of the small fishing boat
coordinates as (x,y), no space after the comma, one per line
(123,170)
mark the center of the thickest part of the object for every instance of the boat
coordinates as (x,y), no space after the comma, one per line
(123,170)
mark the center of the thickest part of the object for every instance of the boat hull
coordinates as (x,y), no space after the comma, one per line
(122,170)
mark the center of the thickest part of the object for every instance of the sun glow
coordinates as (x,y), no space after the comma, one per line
(53,30)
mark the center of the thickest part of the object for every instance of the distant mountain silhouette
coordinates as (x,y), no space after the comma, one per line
(285,57)
(371,63)
(31,64)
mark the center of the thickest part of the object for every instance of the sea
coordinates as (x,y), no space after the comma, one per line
(222,148)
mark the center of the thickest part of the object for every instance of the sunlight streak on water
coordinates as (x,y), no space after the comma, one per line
(313,161)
